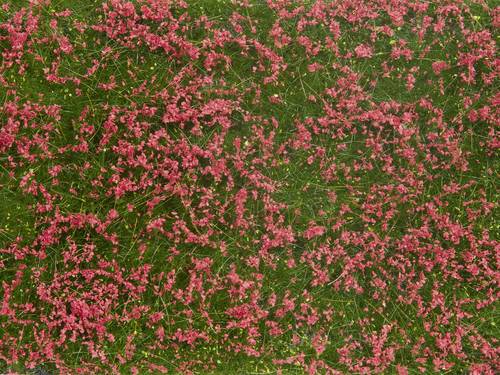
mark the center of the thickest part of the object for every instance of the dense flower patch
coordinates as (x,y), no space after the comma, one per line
(237,186)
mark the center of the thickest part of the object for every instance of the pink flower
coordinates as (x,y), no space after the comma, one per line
(410,82)
(364,51)
(439,66)
(314,231)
